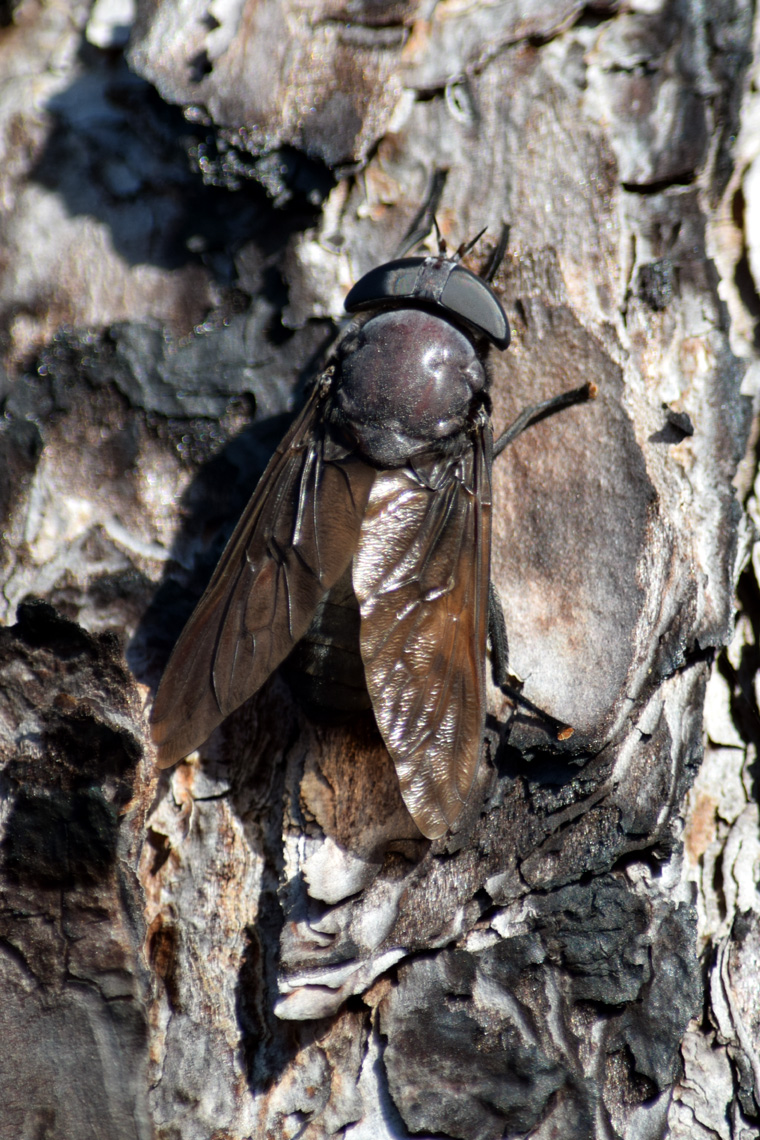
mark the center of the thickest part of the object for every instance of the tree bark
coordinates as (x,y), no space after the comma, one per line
(260,942)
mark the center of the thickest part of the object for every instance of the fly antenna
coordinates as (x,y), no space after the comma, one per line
(441,238)
(465,247)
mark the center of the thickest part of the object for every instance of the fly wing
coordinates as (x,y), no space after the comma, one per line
(293,542)
(421,578)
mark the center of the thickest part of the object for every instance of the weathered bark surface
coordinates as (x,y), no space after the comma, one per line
(260,943)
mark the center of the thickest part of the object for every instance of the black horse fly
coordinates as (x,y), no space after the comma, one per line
(376,507)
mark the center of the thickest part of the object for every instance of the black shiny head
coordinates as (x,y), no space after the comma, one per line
(439,282)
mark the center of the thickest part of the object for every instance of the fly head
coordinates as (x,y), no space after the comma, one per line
(437,281)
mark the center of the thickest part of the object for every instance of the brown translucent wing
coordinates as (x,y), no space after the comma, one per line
(421,577)
(296,537)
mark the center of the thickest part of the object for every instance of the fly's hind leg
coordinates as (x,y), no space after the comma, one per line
(497,637)
(510,684)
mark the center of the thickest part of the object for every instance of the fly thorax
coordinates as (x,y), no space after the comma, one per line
(406,380)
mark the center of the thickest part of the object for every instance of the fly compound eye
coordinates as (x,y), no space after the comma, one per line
(439,282)
(468,297)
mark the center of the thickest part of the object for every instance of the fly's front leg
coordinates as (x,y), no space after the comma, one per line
(537,412)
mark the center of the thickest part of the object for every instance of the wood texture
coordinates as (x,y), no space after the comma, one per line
(260,943)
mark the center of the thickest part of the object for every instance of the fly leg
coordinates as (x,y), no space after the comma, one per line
(508,682)
(536,412)
(502,678)
(497,627)
(497,636)
(424,219)
(491,268)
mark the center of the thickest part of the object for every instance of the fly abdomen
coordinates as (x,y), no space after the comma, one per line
(325,670)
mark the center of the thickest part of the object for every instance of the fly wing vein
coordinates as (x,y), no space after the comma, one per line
(294,540)
(421,577)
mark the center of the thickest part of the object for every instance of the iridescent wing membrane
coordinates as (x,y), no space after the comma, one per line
(420,539)
(293,542)
(421,577)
